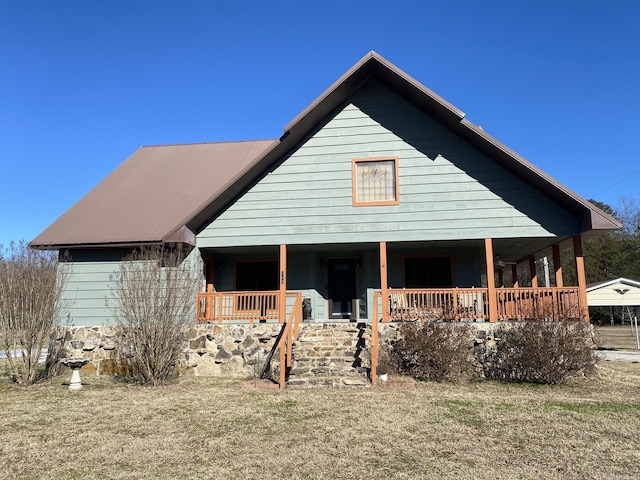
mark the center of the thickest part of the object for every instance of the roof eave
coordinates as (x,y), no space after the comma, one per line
(372,64)
(608,283)
(591,217)
(119,244)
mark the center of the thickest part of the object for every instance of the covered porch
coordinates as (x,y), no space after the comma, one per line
(475,280)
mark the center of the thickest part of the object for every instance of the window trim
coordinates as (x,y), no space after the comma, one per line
(354,192)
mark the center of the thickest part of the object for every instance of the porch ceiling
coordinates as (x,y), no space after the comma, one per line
(510,250)
(506,249)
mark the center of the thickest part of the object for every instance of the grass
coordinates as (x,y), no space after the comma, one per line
(616,337)
(211,428)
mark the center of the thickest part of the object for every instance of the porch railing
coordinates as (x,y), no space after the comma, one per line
(436,304)
(551,303)
(239,306)
(289,335)
(455,304)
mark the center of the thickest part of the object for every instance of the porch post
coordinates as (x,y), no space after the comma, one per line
(491,280)
(514,275)
(383,282)
(533,271)
(582,279)
(282,282)
(557,265)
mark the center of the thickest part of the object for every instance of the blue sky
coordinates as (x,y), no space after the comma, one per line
(83,84)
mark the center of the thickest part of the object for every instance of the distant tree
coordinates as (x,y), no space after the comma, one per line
(153,297)
(31,283)
(604,207)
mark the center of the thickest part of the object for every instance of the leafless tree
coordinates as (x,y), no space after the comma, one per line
(31,283)
(629,215)
(153,294)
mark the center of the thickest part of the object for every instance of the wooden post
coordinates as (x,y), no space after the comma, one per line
(282,282)
(533,271)
(557,264)
(582,279)
(491,281)
(514,276)
(209,305)
(375,347)
(282,377)
(383,282)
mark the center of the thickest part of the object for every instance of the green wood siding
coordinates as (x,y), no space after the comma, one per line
(448,190)
(87,290)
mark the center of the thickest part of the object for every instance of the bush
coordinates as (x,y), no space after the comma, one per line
(541,352)
(153,296)
(31,284)
(433,351)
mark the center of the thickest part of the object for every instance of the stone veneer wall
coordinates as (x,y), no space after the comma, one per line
(484,331)
(235,351)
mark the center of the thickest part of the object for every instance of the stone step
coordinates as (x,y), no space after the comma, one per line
(324,356)
(327,358)
(327,371)
(334,382)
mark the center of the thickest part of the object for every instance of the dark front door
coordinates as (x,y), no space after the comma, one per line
(341,281)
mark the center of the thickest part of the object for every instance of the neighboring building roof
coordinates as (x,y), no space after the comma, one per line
(616,292)
(209,177)
(152,195)
(607,283)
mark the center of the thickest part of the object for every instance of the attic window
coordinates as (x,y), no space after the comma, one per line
(375,181)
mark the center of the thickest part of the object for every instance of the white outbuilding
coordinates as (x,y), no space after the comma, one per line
(620,292)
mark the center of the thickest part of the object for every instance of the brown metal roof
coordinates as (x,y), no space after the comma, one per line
(170,193)
(152,195)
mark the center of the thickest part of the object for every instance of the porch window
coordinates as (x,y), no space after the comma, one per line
(256,275)
(375,181)
(434,271)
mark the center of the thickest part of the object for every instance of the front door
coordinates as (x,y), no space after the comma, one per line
(341,283)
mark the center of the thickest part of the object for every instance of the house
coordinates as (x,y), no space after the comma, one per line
(380,200)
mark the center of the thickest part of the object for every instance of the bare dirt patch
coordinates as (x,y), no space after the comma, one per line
(209,428)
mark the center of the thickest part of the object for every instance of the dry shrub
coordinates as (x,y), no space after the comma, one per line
(437,351)
(541,352)
(31,283)
(153,295)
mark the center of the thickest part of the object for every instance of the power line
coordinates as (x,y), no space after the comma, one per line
(617,183)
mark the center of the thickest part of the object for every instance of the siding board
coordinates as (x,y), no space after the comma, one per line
(448,190)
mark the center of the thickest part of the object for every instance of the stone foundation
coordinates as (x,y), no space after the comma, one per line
(246,351)
(234,351)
